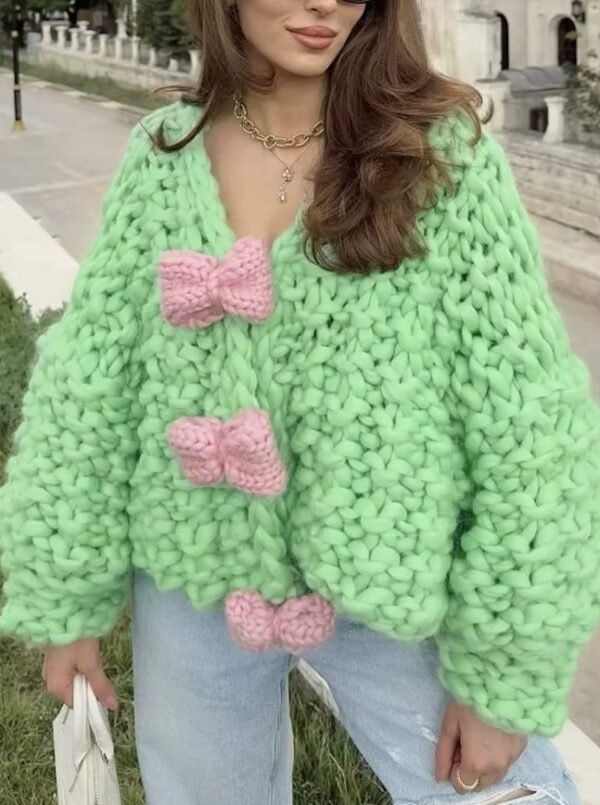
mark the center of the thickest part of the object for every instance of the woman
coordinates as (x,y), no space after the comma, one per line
(318,397)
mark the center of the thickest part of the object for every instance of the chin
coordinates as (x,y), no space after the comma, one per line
(305,67)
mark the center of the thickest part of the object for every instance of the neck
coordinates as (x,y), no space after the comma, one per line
(293,106)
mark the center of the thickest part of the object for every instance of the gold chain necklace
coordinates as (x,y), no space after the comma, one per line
(271,142)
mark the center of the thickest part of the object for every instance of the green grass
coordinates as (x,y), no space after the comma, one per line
(102,87)
(328,768)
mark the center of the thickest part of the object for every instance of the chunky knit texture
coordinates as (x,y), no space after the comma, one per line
(438,435)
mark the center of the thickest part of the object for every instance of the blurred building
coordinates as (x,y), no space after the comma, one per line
(477,39)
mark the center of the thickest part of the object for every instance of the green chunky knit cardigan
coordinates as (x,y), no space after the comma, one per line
(439,437)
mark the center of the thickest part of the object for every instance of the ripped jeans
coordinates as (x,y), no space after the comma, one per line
(212,721)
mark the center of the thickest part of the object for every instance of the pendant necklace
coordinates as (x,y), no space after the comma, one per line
(287,175)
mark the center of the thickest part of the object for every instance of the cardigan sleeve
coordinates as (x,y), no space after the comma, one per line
(63,521)
(524,585)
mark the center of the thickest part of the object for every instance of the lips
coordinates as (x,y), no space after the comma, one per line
(315,31)
(314,37)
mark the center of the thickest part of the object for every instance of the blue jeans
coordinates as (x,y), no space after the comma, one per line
(213,726)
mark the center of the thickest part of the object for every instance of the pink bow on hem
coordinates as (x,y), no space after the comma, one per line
(297,625)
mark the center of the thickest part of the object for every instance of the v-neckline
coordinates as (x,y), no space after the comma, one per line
(206,185)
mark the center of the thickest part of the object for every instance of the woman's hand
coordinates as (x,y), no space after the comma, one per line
(474,750)
(61,663)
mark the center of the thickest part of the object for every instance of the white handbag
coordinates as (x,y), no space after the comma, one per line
(86,772)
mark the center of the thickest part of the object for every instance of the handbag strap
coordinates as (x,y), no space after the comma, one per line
(90,716)
(81,733)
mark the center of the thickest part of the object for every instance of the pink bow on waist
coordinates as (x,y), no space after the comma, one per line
(296,625)
(198,289)
(241,452)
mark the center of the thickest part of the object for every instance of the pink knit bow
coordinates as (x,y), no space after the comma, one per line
(241,452)
(296,625)
(198,289)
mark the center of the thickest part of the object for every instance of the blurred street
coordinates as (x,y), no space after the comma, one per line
(58,170)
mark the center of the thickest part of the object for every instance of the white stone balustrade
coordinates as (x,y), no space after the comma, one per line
(89,41)
(127,49)
(119,48)
(61,31)
(120,39)
(47,32)
(555,133)
(135,49)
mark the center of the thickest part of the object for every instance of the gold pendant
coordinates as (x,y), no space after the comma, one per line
(286,176)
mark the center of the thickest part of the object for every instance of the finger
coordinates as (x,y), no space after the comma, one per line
(68,694)
(60,684)
(448,745)
(58,673)
(103,689)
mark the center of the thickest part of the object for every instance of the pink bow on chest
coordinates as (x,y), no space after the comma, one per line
(198,289)
(241,452)
(297,625)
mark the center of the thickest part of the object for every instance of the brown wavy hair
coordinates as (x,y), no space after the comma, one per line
(378,169)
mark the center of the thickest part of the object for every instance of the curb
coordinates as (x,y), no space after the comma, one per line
(33,262)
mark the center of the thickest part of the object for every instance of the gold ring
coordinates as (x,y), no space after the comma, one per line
(464,786)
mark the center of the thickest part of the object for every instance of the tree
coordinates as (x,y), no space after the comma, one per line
(28,7)
(583,95)
(179,15)
(163,25)
(7,11)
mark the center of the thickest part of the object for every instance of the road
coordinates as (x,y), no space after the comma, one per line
(59,170)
